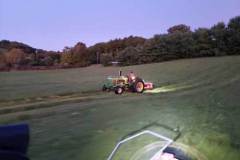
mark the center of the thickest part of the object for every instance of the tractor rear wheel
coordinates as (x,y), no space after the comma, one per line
(139,86)
(119,90)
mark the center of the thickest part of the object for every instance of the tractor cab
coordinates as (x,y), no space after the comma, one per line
(131,77)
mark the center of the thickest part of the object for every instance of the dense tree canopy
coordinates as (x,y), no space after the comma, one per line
(180,42)
(77,55)
(182,28)
(15,57)
(234,35)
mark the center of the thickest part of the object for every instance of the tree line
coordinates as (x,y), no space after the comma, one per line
(179,42)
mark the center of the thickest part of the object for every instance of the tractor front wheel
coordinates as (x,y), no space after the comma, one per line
(104,88)
(119,90)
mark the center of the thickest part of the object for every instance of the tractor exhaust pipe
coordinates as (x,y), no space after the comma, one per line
(120,73)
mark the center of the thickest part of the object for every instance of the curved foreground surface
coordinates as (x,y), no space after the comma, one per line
(71,119)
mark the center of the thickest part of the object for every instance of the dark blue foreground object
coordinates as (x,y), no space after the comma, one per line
(14,140)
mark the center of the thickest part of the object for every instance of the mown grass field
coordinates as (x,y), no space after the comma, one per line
(70,118)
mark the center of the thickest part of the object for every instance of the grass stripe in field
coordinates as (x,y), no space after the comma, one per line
(61,100)
(47,103)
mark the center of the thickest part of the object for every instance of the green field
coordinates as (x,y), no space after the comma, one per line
(70,118)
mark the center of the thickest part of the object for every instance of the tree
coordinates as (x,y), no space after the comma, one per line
(218,35)
(106,59)
(234,35)
(3,62)
(15,57)
(178,42)
(77,55)
(129,56)
(113,48)
(203,43)
(169,46)
(180,45)
(66,59)
(80,54)
(179,28)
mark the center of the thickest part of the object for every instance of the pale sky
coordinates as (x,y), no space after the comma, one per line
(53,24)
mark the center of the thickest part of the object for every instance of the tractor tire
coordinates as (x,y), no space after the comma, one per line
(118,90)
(138,86)
(104,88)
(178,154)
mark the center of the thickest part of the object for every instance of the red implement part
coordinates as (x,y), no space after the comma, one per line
(148,85)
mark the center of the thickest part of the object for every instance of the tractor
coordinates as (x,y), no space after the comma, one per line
(130,82)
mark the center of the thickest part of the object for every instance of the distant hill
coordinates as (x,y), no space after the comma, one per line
(17,55)
(8,45)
